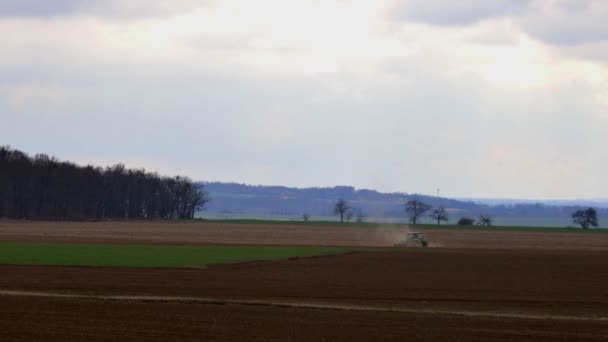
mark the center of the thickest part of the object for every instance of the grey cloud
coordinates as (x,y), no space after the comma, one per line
(454,13)
(106,8)
(568,22)
(559,22)
(37,8)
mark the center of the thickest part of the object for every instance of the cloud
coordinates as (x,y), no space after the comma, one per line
(104,8)
(37,8)
(557,22)
(454,13)
(574,28)
(237,92)
(567,22)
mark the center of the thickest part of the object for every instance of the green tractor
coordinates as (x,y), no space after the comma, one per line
(413,239)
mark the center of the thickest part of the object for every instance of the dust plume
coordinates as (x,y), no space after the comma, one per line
(388,236)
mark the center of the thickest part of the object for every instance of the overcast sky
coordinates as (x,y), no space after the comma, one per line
(481,98)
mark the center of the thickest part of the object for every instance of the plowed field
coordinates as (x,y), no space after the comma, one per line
(534,287)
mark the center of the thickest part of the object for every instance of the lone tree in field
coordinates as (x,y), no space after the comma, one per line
(586,218)
(415,209)
(305,217)
(341,208)
(439,214)
(485,220)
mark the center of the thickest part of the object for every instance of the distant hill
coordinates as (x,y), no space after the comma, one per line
(587,202)
(257,200)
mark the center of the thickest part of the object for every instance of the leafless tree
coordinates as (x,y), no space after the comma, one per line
(415,209)
(305,217)
(485,220)
(360,216)
(341,208)
(349,215)
(439,214)
(586,218)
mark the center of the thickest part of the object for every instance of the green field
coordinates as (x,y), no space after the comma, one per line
(67,254)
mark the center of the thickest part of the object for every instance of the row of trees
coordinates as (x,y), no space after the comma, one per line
(417,209)
(42,187)
(345,211)
(483,220)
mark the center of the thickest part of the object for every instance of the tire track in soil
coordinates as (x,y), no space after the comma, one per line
(297,305)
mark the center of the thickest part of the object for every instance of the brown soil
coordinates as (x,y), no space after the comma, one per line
(154,232)
(492,287)
(516,240)
(167,232)
(532,287)
(60,320)
(23,319)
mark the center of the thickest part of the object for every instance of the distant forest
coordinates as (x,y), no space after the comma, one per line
(42,187)
(234,198)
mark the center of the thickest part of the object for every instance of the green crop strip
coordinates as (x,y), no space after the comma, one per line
(67,254)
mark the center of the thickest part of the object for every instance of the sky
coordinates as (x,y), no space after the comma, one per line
(480,98)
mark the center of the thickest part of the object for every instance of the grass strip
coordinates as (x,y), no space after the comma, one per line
(73,254)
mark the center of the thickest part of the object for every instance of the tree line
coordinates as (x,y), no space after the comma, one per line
(416,209)
(43,187)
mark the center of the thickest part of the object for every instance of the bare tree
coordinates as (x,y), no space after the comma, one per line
(485,220)
(586,218)
(349,215)
(341,208)
(415,209)
(305,217)
(360,216)
(439,214)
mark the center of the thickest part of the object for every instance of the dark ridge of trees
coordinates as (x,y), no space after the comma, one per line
(42,187)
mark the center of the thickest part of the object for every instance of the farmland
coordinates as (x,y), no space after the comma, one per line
(501,285)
